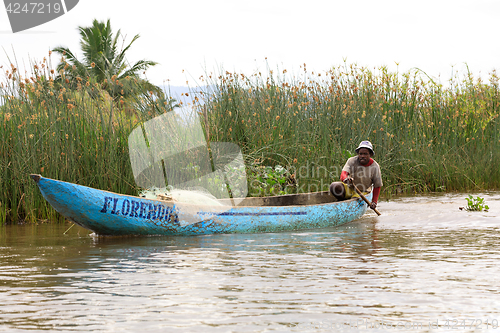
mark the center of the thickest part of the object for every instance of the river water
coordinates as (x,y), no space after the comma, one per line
(423,265)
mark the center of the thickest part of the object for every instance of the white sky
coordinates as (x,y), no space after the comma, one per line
(199,36)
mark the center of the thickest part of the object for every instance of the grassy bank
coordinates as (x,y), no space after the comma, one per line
(427,137)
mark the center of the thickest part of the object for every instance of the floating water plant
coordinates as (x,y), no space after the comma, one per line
(475,204)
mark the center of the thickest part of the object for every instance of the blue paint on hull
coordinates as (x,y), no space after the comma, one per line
(108,213)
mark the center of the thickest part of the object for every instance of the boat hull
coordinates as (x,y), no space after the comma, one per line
(108,213)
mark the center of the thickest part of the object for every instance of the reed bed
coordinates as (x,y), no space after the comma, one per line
(427,136)
(72,132)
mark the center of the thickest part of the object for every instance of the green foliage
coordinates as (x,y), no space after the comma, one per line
(266,181)
(476,204)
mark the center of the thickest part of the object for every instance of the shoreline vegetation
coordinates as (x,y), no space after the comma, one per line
(295,130)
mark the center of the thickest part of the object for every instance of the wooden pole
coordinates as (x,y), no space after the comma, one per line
(365,199)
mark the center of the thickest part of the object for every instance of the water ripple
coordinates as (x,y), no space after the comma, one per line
(422,261)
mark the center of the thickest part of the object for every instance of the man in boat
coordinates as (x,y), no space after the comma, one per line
(362,171)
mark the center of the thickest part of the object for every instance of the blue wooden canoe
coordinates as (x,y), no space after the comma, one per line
(108,213)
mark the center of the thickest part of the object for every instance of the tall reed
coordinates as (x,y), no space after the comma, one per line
(50,127)
(427,136)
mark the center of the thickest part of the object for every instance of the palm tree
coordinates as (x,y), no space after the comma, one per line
(103,63)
